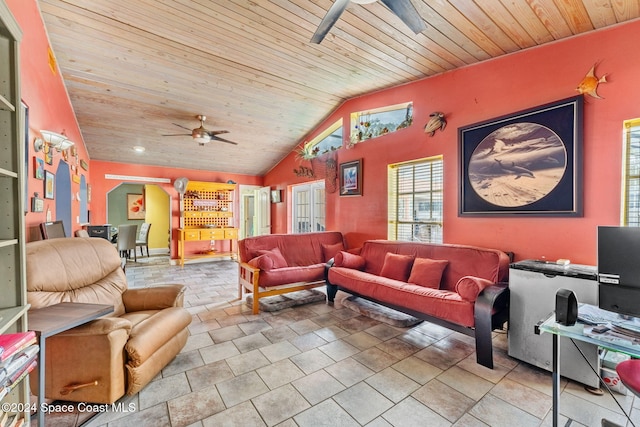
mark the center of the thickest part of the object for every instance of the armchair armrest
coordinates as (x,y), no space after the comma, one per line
(103,326)
(153,298)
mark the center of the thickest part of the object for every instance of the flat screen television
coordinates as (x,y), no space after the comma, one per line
(619,269)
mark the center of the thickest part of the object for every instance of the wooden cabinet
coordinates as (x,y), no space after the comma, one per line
(13,288)
(207,215)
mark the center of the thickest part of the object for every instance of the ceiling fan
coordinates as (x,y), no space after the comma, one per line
(402,8)
(201,135)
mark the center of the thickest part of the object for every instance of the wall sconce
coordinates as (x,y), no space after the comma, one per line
(56,140)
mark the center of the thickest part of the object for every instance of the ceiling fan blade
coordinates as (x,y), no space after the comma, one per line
(217,138)
(329,20)
(180,126)
(178,134)
(216,132)
(405,10)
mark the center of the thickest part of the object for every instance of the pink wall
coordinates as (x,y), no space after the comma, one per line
(480,92)
(49,107)
(100,186)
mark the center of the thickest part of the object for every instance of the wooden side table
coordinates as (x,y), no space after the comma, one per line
(52,320)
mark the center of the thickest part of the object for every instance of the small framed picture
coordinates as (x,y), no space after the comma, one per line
(37,204)
(49,185)
(38,168)
(351,178)
(276,196)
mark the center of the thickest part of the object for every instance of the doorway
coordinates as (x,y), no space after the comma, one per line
(157,212)
(255,211)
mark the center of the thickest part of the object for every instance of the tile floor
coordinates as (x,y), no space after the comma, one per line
(317,365)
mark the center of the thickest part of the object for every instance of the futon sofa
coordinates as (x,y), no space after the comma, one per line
(275,264)
(120,353)
(460,287)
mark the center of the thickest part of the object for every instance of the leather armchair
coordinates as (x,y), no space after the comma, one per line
(113,355)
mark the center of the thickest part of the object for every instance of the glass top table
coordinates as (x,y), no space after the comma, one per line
(623,336)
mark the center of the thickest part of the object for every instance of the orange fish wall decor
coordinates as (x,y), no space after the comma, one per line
(589,85)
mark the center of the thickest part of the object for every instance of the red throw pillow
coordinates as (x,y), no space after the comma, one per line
(348,260)
(263,262)
(397,266)
(330,251)
(469,287)
(276,256)
(428,272)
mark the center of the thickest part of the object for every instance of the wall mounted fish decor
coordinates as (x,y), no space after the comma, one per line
(589,84)
(437,121)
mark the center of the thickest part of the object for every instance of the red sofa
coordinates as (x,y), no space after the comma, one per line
(460,287)
(275,264)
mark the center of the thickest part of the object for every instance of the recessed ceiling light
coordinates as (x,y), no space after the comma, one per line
(139,149)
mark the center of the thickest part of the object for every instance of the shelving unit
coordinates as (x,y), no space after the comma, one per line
(207,214)
(13,288)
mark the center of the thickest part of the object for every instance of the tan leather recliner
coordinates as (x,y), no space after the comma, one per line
(122,351)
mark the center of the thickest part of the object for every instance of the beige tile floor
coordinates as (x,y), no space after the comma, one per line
(317,365)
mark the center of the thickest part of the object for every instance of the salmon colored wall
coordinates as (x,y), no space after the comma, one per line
(49,107)
(100,186)
(480,92)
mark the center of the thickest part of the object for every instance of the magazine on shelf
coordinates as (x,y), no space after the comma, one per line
(17,363)
(12,343)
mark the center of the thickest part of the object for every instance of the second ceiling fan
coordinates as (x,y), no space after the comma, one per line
(402,8)
(202,135)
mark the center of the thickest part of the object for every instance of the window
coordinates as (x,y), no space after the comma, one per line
(308,207)
(415,200)
(380,121)
(329,140)
(631,174)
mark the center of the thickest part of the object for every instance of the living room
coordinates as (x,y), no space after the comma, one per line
(504,86)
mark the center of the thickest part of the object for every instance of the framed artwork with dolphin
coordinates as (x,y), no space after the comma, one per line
(525,163)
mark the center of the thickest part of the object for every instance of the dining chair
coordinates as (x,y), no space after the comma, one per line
(127,240)
(143,238)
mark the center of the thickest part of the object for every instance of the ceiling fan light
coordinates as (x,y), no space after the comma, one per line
(202,139)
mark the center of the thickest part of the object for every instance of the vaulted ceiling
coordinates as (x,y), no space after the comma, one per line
(135,69)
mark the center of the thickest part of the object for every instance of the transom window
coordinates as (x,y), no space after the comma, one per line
(415,200)
(329,140)
(631,174)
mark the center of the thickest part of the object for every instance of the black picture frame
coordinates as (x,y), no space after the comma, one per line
(525,163)
(49,185)
(351,178)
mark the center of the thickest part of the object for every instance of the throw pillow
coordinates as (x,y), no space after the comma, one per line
(348,260)
(330,251)
(276,256)
(469,287)
(428,272)
(263,262)
(397,266)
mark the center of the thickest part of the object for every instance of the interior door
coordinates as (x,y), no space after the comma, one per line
(263,211)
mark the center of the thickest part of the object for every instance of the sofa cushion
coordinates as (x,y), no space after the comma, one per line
(397,267)
(469,287)
(330,250)
(298,249)
(349,260)
(427,272)
(288,275)
(443,304)
(270,259)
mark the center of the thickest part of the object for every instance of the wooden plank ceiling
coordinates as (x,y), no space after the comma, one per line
(133,68)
